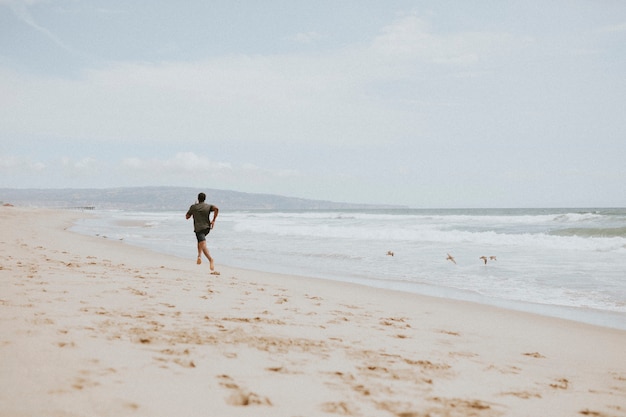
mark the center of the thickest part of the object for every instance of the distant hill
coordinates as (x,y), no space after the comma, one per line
(163,198)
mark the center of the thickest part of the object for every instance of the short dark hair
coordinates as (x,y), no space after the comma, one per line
(201,197)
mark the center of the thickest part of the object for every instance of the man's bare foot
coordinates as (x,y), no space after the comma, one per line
(211,265)
(199,261)
(215,273)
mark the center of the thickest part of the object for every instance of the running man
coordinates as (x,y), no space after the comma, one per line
(202,225)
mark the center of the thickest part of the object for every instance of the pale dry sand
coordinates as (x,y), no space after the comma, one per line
(93,327)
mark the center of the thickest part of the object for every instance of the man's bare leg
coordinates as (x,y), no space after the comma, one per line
(202,248)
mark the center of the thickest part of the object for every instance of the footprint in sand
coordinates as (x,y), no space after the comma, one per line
(240,396)
(525,395)
(562,383)
(449,332)
(534,355)
(337,408)
(588,412)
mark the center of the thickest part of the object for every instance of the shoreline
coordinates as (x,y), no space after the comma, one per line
(594,316)
(92,326)
(591,317)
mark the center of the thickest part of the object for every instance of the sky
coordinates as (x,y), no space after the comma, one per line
(428,104)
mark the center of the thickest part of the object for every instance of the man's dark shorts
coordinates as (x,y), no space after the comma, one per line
(201,235)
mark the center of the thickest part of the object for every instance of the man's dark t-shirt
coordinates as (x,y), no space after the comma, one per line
(200,213)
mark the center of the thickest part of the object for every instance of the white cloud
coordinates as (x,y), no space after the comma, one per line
(80,169)
(16,171)
(196,168)
(323,97)
(411,38)
(620,27)
(82,164)
(264,99)
(253,170)
(183,163)
(11,163)
(306,37)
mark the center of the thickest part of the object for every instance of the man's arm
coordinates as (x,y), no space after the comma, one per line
(215,211)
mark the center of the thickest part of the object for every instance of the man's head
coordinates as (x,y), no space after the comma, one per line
(201,197)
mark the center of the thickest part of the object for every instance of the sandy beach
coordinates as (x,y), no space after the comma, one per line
(95,327)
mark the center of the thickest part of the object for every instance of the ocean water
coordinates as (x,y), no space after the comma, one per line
(568,263)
